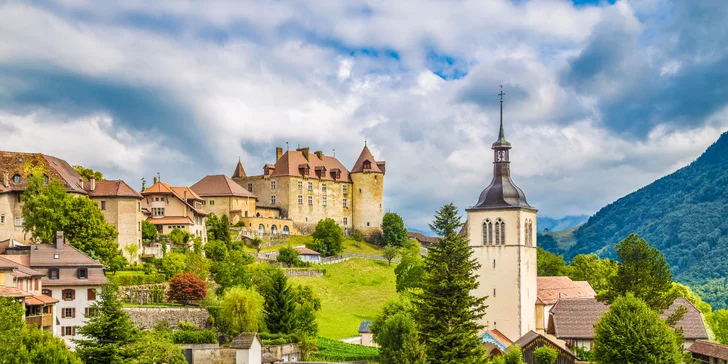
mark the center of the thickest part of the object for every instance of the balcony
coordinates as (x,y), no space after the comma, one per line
(40,320)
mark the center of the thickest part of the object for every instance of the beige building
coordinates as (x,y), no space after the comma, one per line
(20,282)
(222,196)
(305,187)
(170,207)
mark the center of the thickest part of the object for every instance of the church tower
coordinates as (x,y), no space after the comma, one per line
(501,228)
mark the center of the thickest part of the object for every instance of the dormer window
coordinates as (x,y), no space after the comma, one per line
(367,164)
(16,178)
(46,179)
(82,273)
(53,274)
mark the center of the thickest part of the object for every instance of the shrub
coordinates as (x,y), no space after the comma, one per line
(194,337)
(289,257)
(172,264)
(135,280)
(332,350)
(186,287)
(545,355)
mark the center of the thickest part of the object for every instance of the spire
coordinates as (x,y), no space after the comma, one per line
(239,170)
(501,143)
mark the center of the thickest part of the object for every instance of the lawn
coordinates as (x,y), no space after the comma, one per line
(296,240)
(352,292)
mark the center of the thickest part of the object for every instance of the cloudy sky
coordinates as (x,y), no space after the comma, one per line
(602,97)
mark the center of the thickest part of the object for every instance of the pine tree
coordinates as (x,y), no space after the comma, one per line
(279,305)
(108,333)
(446,312)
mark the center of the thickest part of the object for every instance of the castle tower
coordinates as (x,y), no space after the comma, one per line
(367,177)
(501,228)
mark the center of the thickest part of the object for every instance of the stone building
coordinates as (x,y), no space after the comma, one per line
(25,285)
(170,207)
(222,196)
(304,187)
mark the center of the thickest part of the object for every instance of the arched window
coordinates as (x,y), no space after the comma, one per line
(500,232)
(16,178)
(261,229)
(487,232)
(285,230)
(273,230)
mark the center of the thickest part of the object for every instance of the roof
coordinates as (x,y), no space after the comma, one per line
(713,350)
(14,163)
(365,327)
(366,155)
(22,259)
(574,318)
(42,255)
(531,336)
(171,220)
(551,289)
(162,188)
(219,185)
(268,357)
(422,238)
(306,251)
(13,292)
(239,171)
(244,340)
(691,323)
(290,162)
(186,191)
(111,188)
(158,188)
(40,299)
(497,338)
(21,270)
(68,276)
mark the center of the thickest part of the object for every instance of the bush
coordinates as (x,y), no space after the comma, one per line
(194,337)
(185,288)
(289,257)
(135,280)
(332,350)
(545,355)
(281,338)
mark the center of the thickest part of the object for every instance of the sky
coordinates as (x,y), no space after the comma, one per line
(601,97)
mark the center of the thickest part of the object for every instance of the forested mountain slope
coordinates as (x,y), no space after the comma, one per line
(566,222)
(684,214)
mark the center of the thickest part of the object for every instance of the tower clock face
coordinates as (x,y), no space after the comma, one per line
(501,156)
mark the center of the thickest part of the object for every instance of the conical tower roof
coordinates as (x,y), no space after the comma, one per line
(366,155)
(239,171)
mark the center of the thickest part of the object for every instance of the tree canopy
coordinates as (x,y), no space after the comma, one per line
(242,310)
(395,331)
(393,231)
(88,173)
(328,237)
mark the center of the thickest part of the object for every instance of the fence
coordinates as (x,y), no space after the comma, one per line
(347,256)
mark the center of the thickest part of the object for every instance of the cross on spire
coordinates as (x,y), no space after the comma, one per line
(501,134)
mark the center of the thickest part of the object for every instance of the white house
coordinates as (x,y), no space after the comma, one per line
(308,255)
(248,348)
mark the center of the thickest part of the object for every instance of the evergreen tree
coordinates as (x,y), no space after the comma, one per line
(446,312)
(393,230)
(108,333)
(630,332)
(279,304)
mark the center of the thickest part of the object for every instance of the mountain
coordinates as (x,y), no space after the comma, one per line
(423,232)
(551,224)
(684,214)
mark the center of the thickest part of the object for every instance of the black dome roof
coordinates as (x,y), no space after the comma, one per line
(501,193)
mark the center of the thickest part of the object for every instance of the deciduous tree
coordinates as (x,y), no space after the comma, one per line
(390,252)
(216,250)
(396,334)
(88,173)
(410,270)
(242,310)
(591,268)
(172,264)
(550,264)
(288,256)
(185,288)
(149,231)
(393,231)
(328,237)
(232,271)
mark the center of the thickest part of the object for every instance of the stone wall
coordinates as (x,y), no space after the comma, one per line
(304,273)
(203,353)
(227,355)
(148,317)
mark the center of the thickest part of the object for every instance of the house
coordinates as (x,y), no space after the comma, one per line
(365,332)
(705,352)
(308,255)
(533,340)
(495,342)
(551,289)
(20,282)
(691,323)
(248,348)
(222,196)
(424,240)
(170,208)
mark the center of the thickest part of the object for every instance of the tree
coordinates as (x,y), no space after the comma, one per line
(288,256)
(216,250)
(232,271)
(390,252)
(197,264)
(108,333)
(48,209)
(144,184)
(242,310)
(153,348)
(305,295)
(719,324)
(643,272)
(550,264)
(305,320)
(630,332)
(328,237)
(179,236)
(172,264)
(545,355)
(149,231)
(513,355)
(88,173)
(446,312)
(279,305)
(132,249)
(256,243)
(185,288)
(393,230)
(116,263)
(411,268)
(396,334)
(219,229)
(596,271)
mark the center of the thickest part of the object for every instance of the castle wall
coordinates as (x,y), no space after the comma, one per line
(125,214)
(367,196)
(233,206)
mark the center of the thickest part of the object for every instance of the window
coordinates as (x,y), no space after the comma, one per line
(139,206)
(16,178)
(69,294)
(274,230)
(68,331)
(261,229)
(103,205)
(346,221)
(367,164)
(345,189)
(285,230)
(300,199)
(68,313)
(53,273)
(345,203)
(250,187)
(2,219)
(300,185)
(323,201)
(139,226)
(45,179)
(273,199)
(158,211)
(82,273)
(212,202)
(91,294)
(500,232)
(487,232)
(272,185)
(310,200)
(493,292)
(323,187)
(529,232)
(367,223)
(310,186)
(47,292)
(360,191)
(56,256)
(89,312)
(19,221)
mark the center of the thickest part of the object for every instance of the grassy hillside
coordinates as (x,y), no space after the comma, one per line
(684,214)
(350,246)
(352,292)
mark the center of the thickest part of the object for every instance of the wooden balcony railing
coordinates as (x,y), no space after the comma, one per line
(40,320)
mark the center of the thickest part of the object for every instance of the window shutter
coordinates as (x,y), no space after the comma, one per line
(85,311)
(73,313)
(73,331)
(63,331)
(73,294)
(63,313)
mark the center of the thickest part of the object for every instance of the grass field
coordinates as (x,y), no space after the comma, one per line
(296,240)
(352,292)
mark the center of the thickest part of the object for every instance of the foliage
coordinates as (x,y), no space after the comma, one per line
(583,354)
(155,348)
(393,231)
(48,209)
(513,355)
(256,243)
(242,310)
(232,271)
(305,320)
(279,304)
(88,173)
(683,215)
(172,264)
(197,264)
(216,250)
(631,332)
(390,252)
(218,229)
(719,324)
(134,280)
(643,272)
(194,337)
(179,236)
(288,256)
(305,295)
(590,268)
(328,237)
(149,231)
(550,264)
(132,250)
(396,334)
(545,355)
(358,236)
(446,312)
(108,333)
(116,263)
(411,268)
(337,351)
(185,288)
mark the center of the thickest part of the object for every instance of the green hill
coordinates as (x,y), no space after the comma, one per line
(684,214)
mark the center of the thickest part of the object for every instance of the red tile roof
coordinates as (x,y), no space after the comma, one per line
(574,318)
(219,185)
(14,163)
(422,238)
(185,191)
(239,171)
(306,251)
(40,299)
(21,270)
(290,162)
(500,337)
(13,292)
(111,188)
(165,189)
(551,289)
(365,155)
(171,220)
(43,255)
(713,350)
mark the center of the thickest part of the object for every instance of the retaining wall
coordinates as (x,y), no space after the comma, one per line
(148,317)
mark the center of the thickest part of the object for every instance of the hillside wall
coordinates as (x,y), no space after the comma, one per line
(148,317)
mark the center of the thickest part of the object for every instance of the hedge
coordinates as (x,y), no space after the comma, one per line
(277,339)
(194,337)
(135,280)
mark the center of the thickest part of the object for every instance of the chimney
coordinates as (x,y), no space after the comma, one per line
(93,183)
(305,152)
(59,240)
(279,153)
(6,180)
(185,195)
(155,180)
(319,154)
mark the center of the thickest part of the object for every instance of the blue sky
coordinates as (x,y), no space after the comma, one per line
(602,97)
